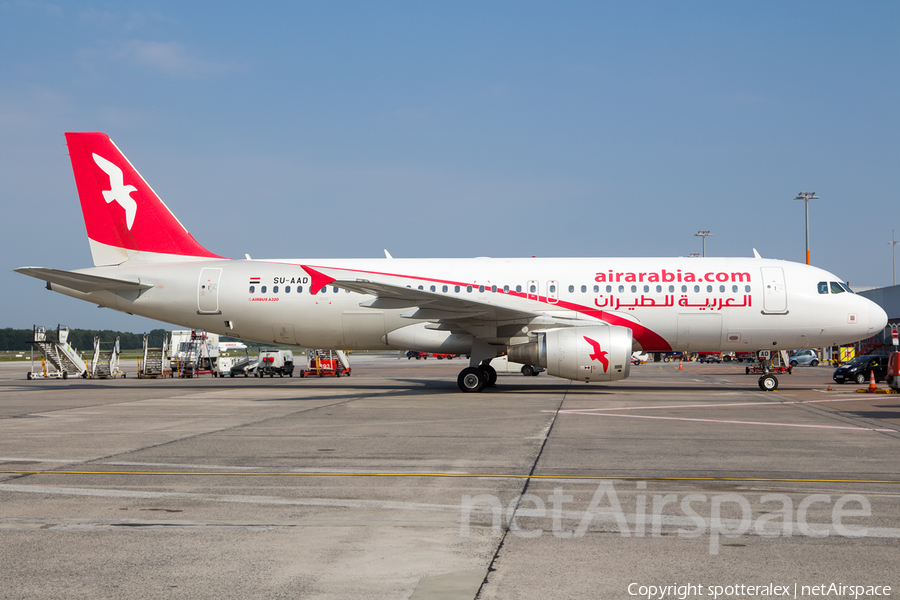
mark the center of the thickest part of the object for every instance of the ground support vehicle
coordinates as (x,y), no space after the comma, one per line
(244,367)
(275,362)
(326,363)
(709,357)
(59,359)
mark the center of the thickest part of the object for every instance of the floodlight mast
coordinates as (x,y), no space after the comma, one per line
(806,197)
(704,235)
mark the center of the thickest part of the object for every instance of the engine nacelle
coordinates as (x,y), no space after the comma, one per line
(579,353)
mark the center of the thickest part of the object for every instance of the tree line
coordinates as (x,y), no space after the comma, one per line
(81,339)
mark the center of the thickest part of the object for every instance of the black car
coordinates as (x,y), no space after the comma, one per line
(859,368)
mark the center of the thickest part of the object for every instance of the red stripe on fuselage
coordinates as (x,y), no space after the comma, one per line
(649,340)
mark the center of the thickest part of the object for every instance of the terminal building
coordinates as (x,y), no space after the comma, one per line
(887,298)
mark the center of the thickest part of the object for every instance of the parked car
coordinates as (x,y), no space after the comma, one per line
(417,355)
(805,357)
(709,357)
(859,368)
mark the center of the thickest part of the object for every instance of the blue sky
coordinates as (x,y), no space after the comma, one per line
(336,129)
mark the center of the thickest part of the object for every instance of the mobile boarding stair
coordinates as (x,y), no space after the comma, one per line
(326,363)
(195,359)
(153,363)
(59,360)
(105,364)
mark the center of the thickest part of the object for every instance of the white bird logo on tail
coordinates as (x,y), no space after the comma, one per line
(118,192)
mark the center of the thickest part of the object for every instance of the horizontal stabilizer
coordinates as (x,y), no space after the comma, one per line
(84,282)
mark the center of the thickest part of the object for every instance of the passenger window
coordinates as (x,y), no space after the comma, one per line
(671,289)
(823,287)
(658,288)
(420,287)
(334,289)
(456,289)
(734,289)
(262,290)
(533,289)
(433,289)
(747,288)
(696,288)
(469,288)
(252,289)
(722,288)
(480,289)
(583,289)
(287,289)
(494,289)
(299,289)
(608,289)
(518,289)
(444,289)
(646,288)
(836,288)
(275,290)
(571,288)
(633,289)
(684,289)
(708,288)
(596,289)
(505,289)
(621,288)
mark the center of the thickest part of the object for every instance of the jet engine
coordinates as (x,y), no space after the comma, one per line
(600,353)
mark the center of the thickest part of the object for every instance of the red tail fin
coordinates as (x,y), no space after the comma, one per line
(125,219)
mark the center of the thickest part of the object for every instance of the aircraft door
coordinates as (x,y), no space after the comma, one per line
(208,291)
(533,291)
(774,291)
(552,292)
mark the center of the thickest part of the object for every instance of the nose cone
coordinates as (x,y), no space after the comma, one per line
(877,318)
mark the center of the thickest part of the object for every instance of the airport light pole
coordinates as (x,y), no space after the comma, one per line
(704,235)
(893,244)
(806,197)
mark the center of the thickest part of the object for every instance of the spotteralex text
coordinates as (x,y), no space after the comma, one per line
(790,590)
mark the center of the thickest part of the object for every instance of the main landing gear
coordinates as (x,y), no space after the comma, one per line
(475,379)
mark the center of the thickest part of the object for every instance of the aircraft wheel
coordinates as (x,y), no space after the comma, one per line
(491,373)
(471,379)
(768,383)
(527,370)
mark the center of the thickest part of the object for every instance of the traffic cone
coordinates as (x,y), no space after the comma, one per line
(871,389)
(680,366)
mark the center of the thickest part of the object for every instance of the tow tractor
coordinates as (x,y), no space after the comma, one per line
(767,366)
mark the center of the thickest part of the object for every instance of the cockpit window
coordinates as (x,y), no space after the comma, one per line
(846,287)
(823,287)
(836,288)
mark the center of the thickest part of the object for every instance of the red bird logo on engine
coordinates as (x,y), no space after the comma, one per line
(598,353)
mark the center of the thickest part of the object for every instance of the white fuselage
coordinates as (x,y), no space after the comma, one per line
(694,304)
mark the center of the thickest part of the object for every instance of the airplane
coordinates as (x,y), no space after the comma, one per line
(227,346)
(578,318)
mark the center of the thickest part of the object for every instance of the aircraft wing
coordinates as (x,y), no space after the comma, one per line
(84,282)
(429,305)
